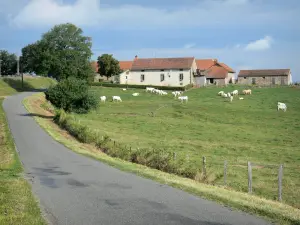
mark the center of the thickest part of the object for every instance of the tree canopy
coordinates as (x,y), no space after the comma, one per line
(8,63)
(108,65)
(62,52)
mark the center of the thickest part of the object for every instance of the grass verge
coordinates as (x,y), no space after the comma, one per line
(17,204)
(275,211)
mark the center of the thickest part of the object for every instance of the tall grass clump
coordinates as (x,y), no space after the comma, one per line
(155,158)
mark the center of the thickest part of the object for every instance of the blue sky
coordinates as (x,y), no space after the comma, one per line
(245,34)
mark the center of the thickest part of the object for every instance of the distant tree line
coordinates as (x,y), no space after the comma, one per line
(8,63)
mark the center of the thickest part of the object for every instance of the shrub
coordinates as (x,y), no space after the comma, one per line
(159,159)
(72,95)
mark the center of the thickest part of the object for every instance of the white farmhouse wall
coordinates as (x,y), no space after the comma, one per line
(230,76)
(124,77)
(152,77)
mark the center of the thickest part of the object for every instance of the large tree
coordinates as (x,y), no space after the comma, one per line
(8,63)
(108,65)
(62,52)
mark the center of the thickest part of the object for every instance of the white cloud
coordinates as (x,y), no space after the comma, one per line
(190,45)
(259,45)
(51,12)
(89,13)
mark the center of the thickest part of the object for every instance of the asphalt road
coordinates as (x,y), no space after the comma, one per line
(77,190)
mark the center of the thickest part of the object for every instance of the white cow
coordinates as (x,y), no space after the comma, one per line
(177,93)
(231,98)
(183,98)
(241,98)
(221,93)
(117,98)
(281,106)
(235,92)
(149,89)
(224,95)
(103,98)
(124,89)
(135,94)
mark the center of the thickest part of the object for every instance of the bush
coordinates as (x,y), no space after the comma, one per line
(181,88)
(72,95)
(159,159)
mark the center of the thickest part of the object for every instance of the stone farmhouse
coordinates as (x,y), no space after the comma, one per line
(210,71)
(267,77)
(175,72)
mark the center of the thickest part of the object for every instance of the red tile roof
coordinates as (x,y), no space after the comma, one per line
(125,65)
(262,73)
(227,68)
(162,63)
(204,64)
(94,65)
(217,72)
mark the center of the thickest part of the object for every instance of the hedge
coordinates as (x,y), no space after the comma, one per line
(181,88)
(157,158)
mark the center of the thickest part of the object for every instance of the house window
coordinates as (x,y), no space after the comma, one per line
(181,77)
(142,77)
(253,81)
(181,69)
(162,77)
(126,77)
(143,70)
(273,80)
(245,77)
(162,70)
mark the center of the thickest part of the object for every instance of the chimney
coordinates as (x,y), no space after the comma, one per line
(136,57)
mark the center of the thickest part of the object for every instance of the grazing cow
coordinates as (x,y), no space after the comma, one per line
(241,98)
(183,98)
(235,92)
(281,106)
(124,89)
(247,92)
(135,94)
(117,98)
(221,93)
(231,98)
(224,95)
(149,89)
(103,98)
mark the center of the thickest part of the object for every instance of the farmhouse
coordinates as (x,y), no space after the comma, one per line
(160,71)
(210,71)
(265,77)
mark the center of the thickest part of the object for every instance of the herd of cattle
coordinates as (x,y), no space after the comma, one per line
(178,94)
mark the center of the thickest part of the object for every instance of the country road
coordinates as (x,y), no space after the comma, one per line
(77,190)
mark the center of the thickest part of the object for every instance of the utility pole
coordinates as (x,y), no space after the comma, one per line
(18,65)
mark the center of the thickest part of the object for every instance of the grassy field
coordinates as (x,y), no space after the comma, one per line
(30,83)
(17,204)
(211,126)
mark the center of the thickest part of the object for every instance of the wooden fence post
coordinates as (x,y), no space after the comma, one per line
(174,155)
(249,178)
(280,174)
(204,166)
(225,171)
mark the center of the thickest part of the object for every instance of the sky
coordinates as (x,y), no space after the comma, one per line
(244,34)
